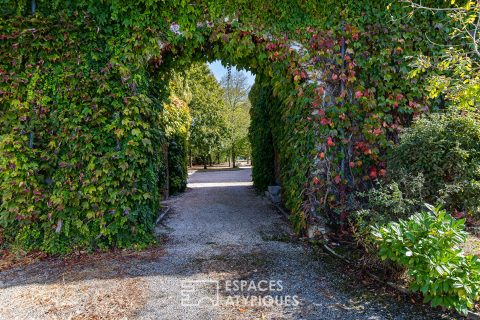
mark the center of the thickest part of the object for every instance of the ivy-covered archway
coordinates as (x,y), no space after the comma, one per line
(83,87)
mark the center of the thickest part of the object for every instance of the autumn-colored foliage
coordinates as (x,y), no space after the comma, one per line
(81,107)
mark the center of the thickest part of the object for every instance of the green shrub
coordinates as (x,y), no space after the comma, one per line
(388,201)
(428,245)
(391,200)
(445,149)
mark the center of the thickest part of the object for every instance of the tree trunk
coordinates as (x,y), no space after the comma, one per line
(205,162)
(233,157)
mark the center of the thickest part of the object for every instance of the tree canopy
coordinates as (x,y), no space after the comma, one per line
(207,108)
(236,90)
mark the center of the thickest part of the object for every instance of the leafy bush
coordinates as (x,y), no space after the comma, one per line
(391,200)
(445,149)
(428,245)
(388,201)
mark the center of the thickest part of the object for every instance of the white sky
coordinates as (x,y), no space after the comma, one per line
(219,71)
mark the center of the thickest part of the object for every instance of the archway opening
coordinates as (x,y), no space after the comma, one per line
(266,57)
(207,120)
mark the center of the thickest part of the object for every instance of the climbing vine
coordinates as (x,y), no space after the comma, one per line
(82,104)
(260,136)
(75,139)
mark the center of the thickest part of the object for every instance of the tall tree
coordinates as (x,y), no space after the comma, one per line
(236,90)
(209,130)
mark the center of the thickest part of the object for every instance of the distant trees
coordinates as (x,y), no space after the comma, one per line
(208,132)
(209,129)
(236,90)
(218,114)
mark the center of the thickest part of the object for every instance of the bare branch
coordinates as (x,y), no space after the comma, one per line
(420,6)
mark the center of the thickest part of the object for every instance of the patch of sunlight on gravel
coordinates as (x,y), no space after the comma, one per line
(220,184)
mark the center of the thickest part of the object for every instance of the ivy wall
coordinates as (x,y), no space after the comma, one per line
(83,86)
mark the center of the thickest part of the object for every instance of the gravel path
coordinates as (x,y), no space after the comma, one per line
(219,235)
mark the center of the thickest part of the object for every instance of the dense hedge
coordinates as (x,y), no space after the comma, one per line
(79,143)
(260,136)
(177,164)
(278,126)
(437,161)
